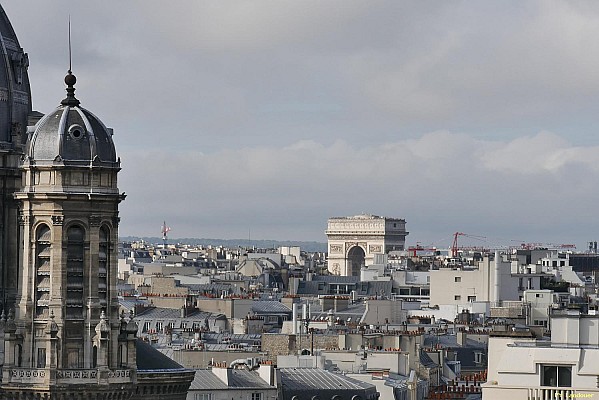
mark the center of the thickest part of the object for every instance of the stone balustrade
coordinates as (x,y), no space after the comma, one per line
(43,376)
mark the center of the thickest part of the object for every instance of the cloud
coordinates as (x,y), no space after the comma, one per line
(491,187)
(279,114)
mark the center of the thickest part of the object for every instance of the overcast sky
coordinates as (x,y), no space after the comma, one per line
(268,117)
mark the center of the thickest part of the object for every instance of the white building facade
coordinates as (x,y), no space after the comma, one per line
(564,368)
(492,280)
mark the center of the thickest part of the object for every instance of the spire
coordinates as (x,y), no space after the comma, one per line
(70,79)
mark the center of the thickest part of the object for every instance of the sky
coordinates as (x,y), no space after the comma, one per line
(262,119)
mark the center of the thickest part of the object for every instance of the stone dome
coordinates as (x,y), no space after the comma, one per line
(71,135)
(15,94)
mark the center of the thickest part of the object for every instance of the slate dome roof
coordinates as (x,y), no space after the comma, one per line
(15,94)
(71,134)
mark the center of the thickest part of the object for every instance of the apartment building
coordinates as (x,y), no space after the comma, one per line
(491,280)
(565,367)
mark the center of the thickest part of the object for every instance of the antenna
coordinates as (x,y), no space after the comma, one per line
(70,53)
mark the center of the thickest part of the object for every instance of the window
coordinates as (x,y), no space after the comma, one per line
(256,396)
(478,357)
(457,297)
(457,279)
(73,359)
(123,355)
(471,298)
(43,269)
(538,295)
(104,256)
(202,396)
(75,268)
(41,357)
(18,355)
(556,376)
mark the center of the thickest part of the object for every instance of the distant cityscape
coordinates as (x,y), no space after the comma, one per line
(85,314)
(231,243)
(390,320)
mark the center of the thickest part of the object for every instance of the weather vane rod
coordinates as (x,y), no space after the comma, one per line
(70,54)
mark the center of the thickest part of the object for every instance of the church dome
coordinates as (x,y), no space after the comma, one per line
(15,94)
(72,135)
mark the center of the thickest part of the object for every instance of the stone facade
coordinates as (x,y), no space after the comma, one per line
(275,344)
(60,328)
(353,242)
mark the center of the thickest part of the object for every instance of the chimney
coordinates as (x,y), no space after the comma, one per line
(294,312)
(461,337)
(222,372)
(267,373)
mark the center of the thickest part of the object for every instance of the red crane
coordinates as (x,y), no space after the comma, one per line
(454,246)
(414,249)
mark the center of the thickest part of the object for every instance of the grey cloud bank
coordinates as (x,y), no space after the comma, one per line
(273,116)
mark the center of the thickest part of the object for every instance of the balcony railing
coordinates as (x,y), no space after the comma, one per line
(43,376)
(551,393)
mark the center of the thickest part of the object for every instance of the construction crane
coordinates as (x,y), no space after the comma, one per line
(414,249)
(454,246)
(556,246)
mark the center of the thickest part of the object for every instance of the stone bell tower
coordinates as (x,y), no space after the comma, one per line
(66,331)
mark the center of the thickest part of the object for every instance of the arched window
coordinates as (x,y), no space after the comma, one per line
(95,357)
(104,266)
(18,355)
(75,260)
(43,245)
(123,355)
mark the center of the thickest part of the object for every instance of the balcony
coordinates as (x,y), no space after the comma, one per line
(553,393)
(45,376)
(491,390)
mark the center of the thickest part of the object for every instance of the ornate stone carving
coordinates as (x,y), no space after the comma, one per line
(76,374)
(354,237)
(28,373)
(23,219)
(57,220)
(119,373)
(349,245)
(95,220)
(336,269)
(336,248)
(375,248)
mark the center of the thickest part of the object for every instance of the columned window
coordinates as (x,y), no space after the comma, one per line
(104,266)
(75,260)
(42,270)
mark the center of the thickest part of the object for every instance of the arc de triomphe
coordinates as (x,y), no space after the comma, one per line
(353,241)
